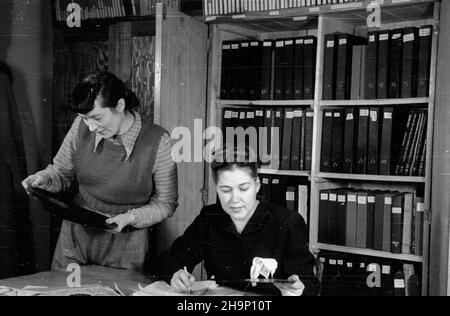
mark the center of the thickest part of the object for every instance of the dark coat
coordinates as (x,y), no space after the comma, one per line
(272,232)
(16,251)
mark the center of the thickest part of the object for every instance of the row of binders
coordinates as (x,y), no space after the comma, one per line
(377,141)
(380,220)
(282,137)
(221,7)
(354,275)
(282,69)
(390,64)
(287,192)
(107,9)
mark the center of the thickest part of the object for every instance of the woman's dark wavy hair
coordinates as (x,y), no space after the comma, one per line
(6,69)
(103,84)
(228,158)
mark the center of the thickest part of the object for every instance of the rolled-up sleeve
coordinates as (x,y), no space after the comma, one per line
(163,202)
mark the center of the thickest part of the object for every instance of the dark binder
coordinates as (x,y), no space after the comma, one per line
(345,44)
(259,125)
(254,70)
(278,125)
(265,140)
(226,69)
(351,219)
(287,139)
(329,71)
(303,141)
(278,91)
(361,220)
(370,219)
(227,122)
(310,45)
(386,138)
(288,69)
(244,73)
(397,223)
(337,143)
(332,217)
(266,70)
(407,223)
(266,188)
(277,191)
(309,139)
(378,223)
(399,283)
(323,216)
(234,72)
(387,221)
(424,62)
(395,65)
(299,66)
(349,139)
(373,152)
(383,64)
(361,152)
(341,217)
(327,133)
(409,68)
(291,198)
(296,139)
(371,66)
(419,213)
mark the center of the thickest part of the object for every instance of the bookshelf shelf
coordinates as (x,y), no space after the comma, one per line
(369,252)
(392,11)
(367,177)
(275,103)
(285,172)
(377,102)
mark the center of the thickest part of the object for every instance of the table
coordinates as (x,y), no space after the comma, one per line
(127,281)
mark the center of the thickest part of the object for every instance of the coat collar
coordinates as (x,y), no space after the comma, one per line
(258,221)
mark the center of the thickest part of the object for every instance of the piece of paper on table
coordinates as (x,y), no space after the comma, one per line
(8,291)
(210,288)
(263,266)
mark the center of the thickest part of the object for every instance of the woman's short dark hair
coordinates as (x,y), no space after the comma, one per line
(6,69)
(228,158)
(103,84)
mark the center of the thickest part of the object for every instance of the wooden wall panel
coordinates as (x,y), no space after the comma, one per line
(181,56)
(143,73)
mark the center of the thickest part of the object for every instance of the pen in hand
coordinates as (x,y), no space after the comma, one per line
(187,276)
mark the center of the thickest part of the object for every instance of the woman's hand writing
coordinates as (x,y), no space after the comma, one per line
(182,281)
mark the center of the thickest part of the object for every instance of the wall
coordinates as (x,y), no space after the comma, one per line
(26,45)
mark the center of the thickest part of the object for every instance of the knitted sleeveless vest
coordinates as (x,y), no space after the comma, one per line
(110,184)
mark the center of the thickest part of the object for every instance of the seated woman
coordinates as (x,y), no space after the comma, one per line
(229,235)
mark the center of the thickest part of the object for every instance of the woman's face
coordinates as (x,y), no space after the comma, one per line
(237,191)
(104,121)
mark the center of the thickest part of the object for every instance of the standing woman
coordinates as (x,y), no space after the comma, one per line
(124,170)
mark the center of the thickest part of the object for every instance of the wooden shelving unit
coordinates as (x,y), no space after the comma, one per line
(318,21)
